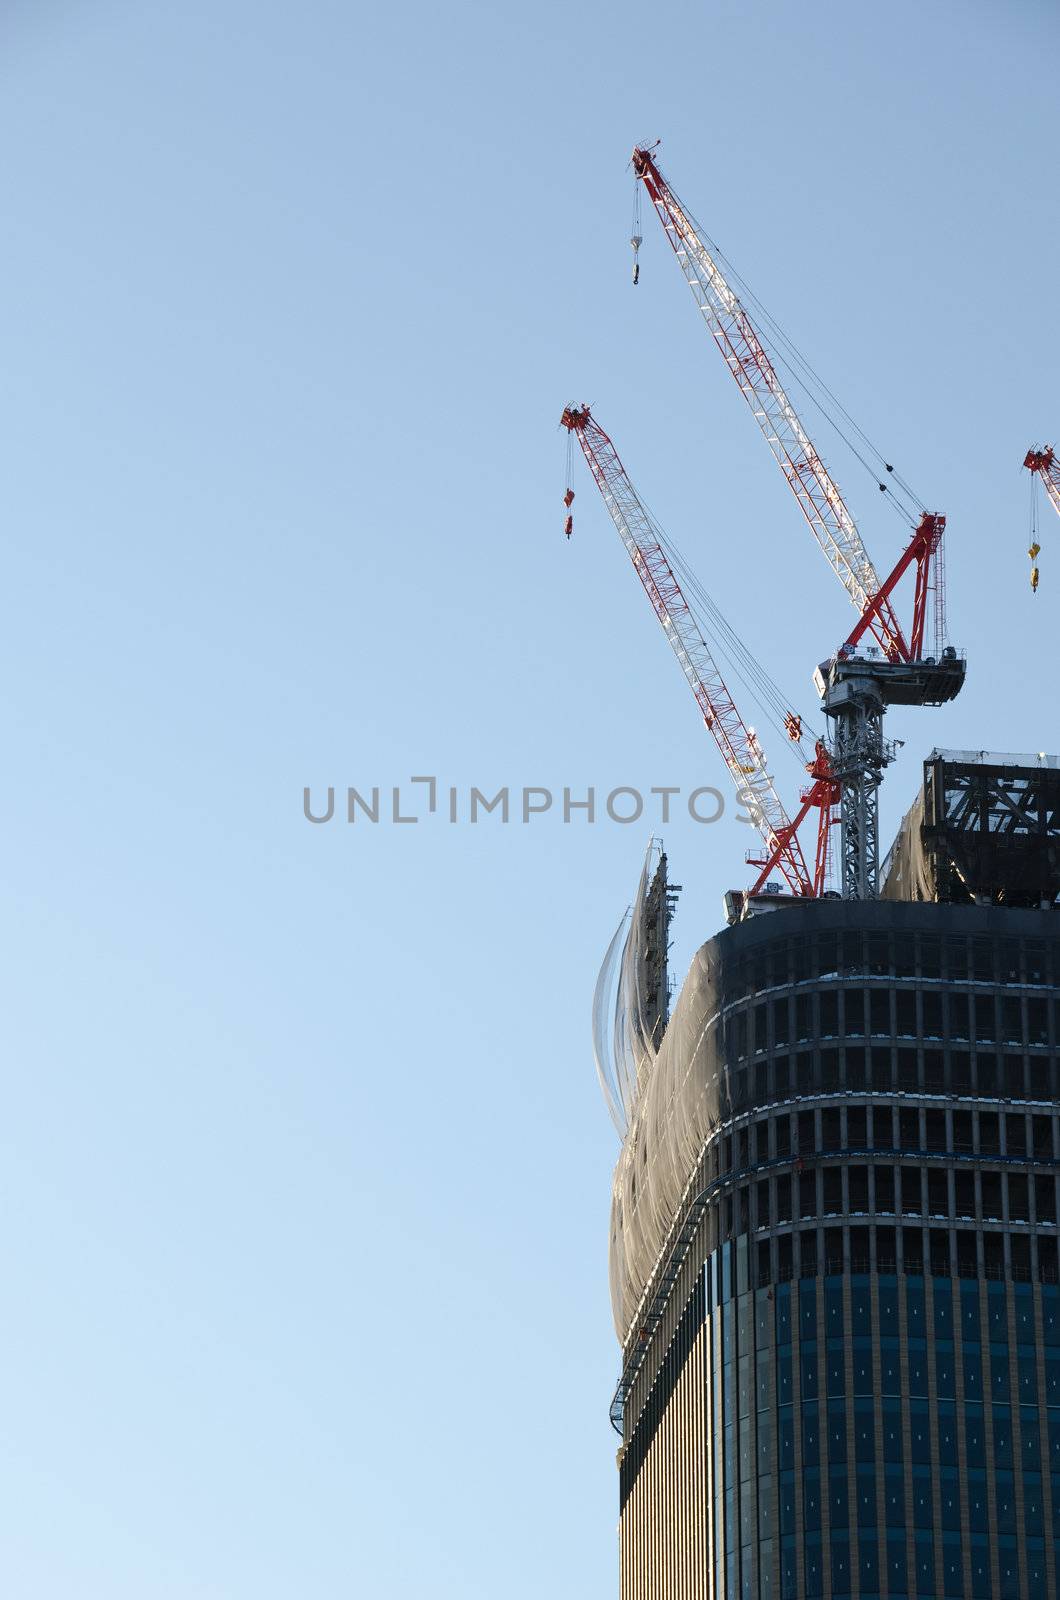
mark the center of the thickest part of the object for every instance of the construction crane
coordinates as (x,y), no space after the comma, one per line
(855,686)
(740,747)
(1044,465)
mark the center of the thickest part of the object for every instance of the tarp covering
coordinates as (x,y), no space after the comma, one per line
(679,1103)
(662,1087)
(624,1023)
(908,873)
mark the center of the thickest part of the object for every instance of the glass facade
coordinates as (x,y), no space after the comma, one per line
(845,1461)
(868,1290)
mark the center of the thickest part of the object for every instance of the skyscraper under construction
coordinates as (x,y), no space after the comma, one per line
(834,1267)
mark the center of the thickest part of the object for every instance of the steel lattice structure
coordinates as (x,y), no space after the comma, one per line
(853,700)
(1045,464)
(739,746)
(747,359)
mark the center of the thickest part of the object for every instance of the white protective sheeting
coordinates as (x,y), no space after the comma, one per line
(664,1102)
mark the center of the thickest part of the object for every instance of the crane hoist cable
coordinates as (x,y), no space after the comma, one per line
(1043,468)
(636,236)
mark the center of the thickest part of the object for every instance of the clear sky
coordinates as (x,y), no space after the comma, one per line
(305,1173)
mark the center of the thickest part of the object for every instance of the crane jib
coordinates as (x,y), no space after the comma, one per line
(749,362)
(739,747)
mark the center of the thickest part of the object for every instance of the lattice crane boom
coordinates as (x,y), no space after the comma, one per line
(739,746)
(747,359)
(1045,464)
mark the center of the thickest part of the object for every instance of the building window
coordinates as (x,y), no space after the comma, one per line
(882,1128)
(880,1011)
(912,1204)
(931,1002)
(884,1189)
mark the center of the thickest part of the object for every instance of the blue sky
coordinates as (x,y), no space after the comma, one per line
(305,1171)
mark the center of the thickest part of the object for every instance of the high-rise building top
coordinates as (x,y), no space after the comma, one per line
(834,1253)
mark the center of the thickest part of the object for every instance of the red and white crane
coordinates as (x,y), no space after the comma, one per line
(739,745)
(1045,464)
(747,357)
(855,688)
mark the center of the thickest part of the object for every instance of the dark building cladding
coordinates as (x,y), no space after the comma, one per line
(842,1372)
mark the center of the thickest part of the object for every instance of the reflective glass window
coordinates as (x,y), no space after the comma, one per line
(918,1368)
(943,1308)
(914,1304)
(838,1504)
(1008,1567)
(891,1430)
(1005,1497)
(833,1307)
(894,1496)
(784,1313)
(811,1500)
(868,1566)
(996,1313)
(979,1554)
(835,1359)
(813,1565)
(808,1363)
(1033,1504)
(1051,1314)
(841,1578)
(944,1373)
(865,1489)
(924,1558)
(896,1570)
(864,1431)
(974,1436)
(972,1361)
(786,1502)
(999,1385)
(952,1564)
(947,1426)
(978,1507)
(970,1331)
(920,1431)
(786,1438)
(890,1367)
(860,1308)
(1030,1439)
(808,1308)
(789,1572)
(923,1498)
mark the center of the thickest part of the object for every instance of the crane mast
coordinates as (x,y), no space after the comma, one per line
(855,686)
(739,746)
